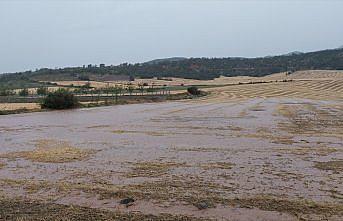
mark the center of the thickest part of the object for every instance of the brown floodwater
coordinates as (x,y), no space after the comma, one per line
(241,148)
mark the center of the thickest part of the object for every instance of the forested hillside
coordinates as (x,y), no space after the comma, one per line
(194,68)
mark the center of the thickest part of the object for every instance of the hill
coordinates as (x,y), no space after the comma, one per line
(192,68)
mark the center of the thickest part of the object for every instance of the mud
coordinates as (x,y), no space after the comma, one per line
(253,159)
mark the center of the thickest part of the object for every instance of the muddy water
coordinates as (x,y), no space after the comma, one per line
(200,137)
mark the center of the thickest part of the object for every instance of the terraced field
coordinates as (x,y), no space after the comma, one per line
(266,151)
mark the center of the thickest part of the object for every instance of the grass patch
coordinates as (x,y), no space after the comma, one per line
(52,151)
(336,166)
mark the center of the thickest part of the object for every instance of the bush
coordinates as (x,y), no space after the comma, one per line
(193,90)
(24,92)
(60,99)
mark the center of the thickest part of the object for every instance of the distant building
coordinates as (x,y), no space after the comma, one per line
(102,65)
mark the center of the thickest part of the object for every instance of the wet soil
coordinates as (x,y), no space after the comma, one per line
(259,159)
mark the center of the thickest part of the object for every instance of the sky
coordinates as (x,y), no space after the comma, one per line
(60,33)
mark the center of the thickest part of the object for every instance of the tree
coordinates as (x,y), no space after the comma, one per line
(141,88)
(116,90)
(60,99)
(130,88)
(193,90)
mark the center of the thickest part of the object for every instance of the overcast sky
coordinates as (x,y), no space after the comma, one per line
(48,33)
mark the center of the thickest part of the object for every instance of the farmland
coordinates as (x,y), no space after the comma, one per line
(269,148)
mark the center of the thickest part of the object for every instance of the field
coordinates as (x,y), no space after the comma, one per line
(266,148)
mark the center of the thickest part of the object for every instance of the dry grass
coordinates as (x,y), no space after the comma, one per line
(191,190)
(151,133)
(152,169)
(266,133)
(98,126)
(308,119)
(52,151)
(30,186)
(201,149)
(294,207)
(217,165)
(336,166)
(319,89)
(12,209)
(301,151)
(18,106)
(2,165)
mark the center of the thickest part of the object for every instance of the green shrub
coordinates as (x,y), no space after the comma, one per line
(60,99)
(193,90)
(24,92)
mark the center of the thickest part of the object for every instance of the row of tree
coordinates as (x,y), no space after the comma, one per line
(129,89)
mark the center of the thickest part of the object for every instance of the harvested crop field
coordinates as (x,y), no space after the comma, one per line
(269,151)
(16,106)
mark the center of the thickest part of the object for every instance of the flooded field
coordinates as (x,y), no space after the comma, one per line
(239,154)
